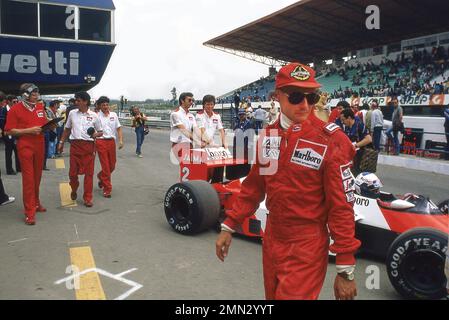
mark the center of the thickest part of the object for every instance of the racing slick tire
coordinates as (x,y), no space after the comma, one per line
(415,264)
(191,207)
(444,206)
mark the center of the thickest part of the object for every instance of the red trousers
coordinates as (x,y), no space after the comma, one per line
(82,162)
(107,155)
(31,156)
(295,261)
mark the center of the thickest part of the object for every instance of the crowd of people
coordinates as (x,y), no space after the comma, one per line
(407,75)
(36,130)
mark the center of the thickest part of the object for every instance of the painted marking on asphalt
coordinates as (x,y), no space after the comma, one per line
(90,287)
(65,190)
(60,164)
(118,277)
(14,241)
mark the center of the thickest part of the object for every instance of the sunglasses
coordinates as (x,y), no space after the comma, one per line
(298,97)
(190,100)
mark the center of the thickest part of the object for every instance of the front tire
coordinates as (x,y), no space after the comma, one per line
(191,207)
(415,264)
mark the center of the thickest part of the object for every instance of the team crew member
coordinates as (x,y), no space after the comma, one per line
(6,102)
(24,122)
(83,126)
(183,127)
(106,144)
(309,193)
(209,122)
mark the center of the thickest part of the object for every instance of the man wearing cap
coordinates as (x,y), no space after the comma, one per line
(24,122)
(309,192)
(209,122)
(112,130)
(83,127)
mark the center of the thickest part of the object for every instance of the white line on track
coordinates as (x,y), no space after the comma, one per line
(14,241)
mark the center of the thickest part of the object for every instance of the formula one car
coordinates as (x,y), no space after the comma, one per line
(409,231)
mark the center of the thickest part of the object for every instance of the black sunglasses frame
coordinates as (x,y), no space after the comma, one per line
(297,97)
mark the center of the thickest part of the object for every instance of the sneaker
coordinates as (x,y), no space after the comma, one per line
(40,208)
(107,195)
(10,200)
(73,195)
(140,156)
(30,221)
(46,169)
(88,204)
(100,185)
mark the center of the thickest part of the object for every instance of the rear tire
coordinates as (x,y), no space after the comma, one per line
(191,207)
(415,264)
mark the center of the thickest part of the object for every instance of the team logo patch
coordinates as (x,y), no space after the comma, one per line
(112,119)
(309,154)
(215,120)
(346,171)
(349,185)
(350,197)
(332,127)
(300,73)
(296,128)
(271,147)
(89,118)
(40,114)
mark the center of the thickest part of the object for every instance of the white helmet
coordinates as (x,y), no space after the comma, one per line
(368,185)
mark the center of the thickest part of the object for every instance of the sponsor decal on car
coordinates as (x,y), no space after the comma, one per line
(350,197)
(349,185)
(309,154)
(271,147)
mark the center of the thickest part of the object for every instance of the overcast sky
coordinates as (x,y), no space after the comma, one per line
(160,46)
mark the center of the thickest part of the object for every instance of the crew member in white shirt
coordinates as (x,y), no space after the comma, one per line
(209,122)
(83,127)
(106,146)
(184,130)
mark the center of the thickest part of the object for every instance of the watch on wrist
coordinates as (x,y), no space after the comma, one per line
(347,275)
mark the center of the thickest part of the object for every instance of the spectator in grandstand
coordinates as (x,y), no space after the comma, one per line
(313,166)
(446,130)
(357,133)
(260,116)
(184,132)
(106,144)
(209,122)
(83,127)
(397,125)
(376,124)
(24,122)
(6,103)
(4,198)
(138,124)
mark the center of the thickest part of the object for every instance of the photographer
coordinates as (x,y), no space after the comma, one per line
(139,124)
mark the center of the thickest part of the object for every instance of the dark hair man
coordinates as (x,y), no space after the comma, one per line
(309,194)
(6,102)
(106,146)
(83,127)
(209,122)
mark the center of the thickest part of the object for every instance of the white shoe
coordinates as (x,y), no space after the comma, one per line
(140,156)
(10,200)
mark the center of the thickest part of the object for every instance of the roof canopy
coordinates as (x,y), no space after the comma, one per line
(314,30)
(101,4)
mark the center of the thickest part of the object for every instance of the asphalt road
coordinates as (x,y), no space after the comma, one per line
(130,231)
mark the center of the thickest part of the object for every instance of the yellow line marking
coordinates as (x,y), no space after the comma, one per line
(60,164)
(90,287)
(65,190)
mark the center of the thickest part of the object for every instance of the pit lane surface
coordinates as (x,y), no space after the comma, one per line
(130,231)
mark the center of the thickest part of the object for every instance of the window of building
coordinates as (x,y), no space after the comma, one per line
(18,18)
(95,25)
(57,21)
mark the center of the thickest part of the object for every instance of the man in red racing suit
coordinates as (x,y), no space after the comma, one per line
(303,168)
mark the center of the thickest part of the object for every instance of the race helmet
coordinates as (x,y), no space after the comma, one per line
(368,185)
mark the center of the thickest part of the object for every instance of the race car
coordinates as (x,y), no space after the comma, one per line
(409,231)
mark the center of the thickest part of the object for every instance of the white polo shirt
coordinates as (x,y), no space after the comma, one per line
(211,124)
(79,122)
(110,124)
(178,117)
